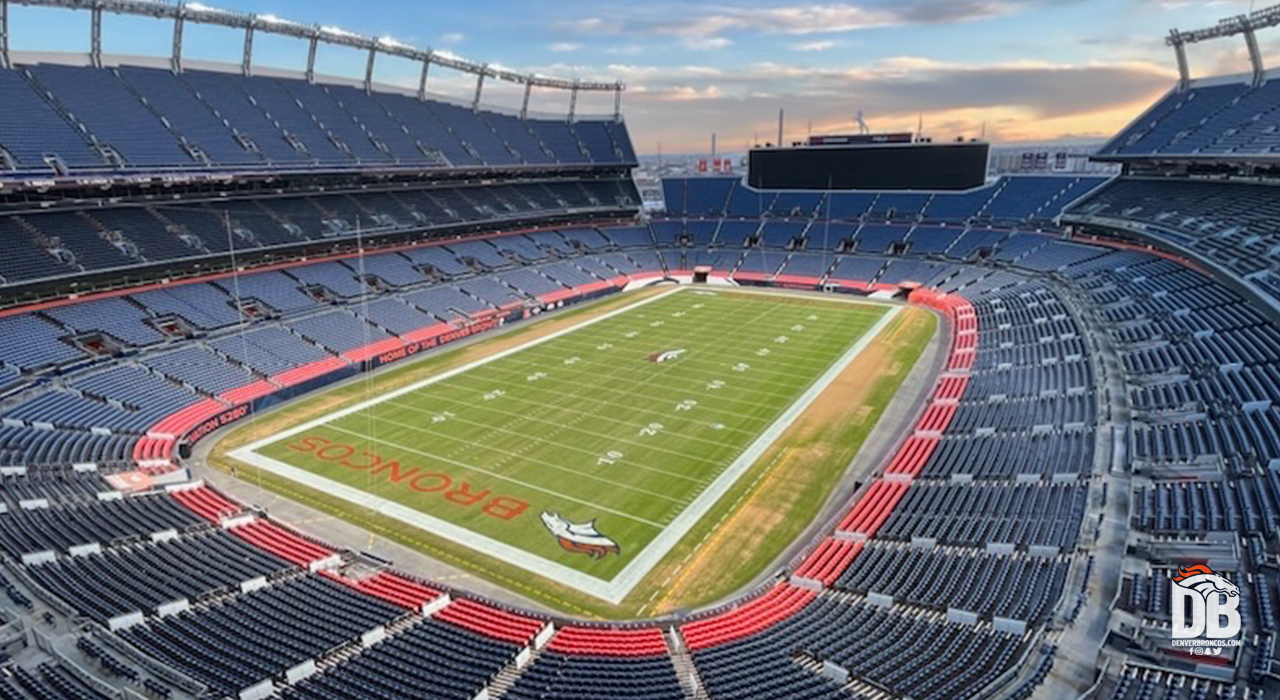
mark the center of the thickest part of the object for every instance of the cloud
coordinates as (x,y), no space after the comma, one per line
(626,50)
(452,38)
(565,47)
(707,27)
(699,43)
(592,25)
(826,45)
(686,93)
(1017,100)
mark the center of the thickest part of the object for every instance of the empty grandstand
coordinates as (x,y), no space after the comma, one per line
(1016,500)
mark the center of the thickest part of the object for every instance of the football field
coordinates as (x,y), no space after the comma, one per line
(585,455)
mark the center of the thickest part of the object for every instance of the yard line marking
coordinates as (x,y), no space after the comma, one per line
(724,396)
(618,586)
(791,350)
(646,379)
(508,455)
(633,409)
(592,453)
(537,416)
(739,378)
(518,482)
(588,352)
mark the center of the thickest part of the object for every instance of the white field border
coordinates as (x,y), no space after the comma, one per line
(614,590)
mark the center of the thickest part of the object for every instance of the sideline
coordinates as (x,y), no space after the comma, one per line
(615,590)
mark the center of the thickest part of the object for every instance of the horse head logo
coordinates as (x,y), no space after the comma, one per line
(668,356)
(1202,580)
(582,538)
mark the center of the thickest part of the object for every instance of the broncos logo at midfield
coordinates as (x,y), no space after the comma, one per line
(579,537)
(667,356)
(1202,580)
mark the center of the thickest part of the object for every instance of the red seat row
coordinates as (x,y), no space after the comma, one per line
(153,451)
(781,602)
(951,388)
(364,352)
(961,361)
(490,621)
(604,641)
(207,503)
(394,589)
(913,455)
(178,424)
(248,392)
(875,507)
(936,417)
(280,542)
(829,560)
(309,371)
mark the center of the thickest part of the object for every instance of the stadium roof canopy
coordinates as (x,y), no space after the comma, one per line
(183,12)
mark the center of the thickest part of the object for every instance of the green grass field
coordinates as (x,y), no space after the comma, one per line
(586,425)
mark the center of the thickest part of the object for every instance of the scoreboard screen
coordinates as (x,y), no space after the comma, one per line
(880,166)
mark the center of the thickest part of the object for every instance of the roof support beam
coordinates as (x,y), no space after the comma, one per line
(368,70)
(246,63)
(573,102)
(422,79)
(1244,24)
(311,56)
(1180,52)
(4,34)
(617,103)
(1255,54)
(175,57)
(524,107)
(475,103)
(95,37)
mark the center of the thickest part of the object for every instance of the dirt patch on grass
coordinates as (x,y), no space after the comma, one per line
(846,396)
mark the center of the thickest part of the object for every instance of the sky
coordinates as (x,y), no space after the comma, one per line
(1014,70)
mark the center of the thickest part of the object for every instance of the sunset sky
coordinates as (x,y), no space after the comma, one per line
(1029,69)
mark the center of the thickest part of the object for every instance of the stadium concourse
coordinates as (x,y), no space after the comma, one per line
(1106,413)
